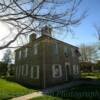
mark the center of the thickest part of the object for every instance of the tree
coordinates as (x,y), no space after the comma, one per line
(97,28)
(7,57)
(27,16)
(3,69)
(88,53)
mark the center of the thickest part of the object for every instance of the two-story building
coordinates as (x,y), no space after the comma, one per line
(45,61)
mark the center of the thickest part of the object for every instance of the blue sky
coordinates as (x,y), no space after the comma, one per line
(85,32)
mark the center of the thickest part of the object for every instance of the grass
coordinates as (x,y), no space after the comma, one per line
(81,92)
(93,75)
(47,98)
(10,89)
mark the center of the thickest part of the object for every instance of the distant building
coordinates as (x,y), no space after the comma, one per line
(45,61)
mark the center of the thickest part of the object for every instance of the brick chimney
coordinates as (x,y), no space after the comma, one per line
(32,37)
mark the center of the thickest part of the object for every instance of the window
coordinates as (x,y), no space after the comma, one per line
(75,69)
(26,67)
(35,48)
(54,48)
(35,72)
(73,52)
(19,54)
(66,51)
(22,70)
(67,70)
(26,52)
(56,71)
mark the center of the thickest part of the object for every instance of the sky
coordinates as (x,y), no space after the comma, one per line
(83,34)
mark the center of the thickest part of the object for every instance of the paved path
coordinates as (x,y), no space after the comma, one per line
(56,88)
(29,96)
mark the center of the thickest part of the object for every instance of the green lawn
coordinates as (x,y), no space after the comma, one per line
(93,75)
(47,98)
(81,92)
(10,89)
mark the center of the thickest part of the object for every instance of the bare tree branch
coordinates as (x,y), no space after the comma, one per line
(29,16)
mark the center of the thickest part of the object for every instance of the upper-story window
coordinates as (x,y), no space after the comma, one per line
(19,54)
(66,51)
(26,52)
(35,48)
(73,52)
(56,71)
(54,48)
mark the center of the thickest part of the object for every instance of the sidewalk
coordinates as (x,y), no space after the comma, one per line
(29,96)
(56,88)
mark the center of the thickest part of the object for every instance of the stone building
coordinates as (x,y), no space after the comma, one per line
(45,61)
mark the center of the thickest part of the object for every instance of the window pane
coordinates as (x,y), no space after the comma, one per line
(35,49)
(57,71)
(35,72)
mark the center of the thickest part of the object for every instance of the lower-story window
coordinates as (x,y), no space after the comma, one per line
(22,70)
(56,71)
(75,69)
(35,72)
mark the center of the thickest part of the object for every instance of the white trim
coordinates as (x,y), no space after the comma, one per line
(73,53)
(67,64)
(37,72)
(75,69)
(19,54)
(32,72)
(26,73)
(26,52)
(22,70)
(56,49)
(66,50)
(35,49)
(54,70)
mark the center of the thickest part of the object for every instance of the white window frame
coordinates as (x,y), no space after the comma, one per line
(19,54)
(73,52)
(67,64)
(26,68)
(26,52)
(35,49)
(56,51)
(22,70)
(75,69)
(54,72)
(37,72)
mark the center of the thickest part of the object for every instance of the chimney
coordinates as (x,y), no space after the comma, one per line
(46,30)
(32,37)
